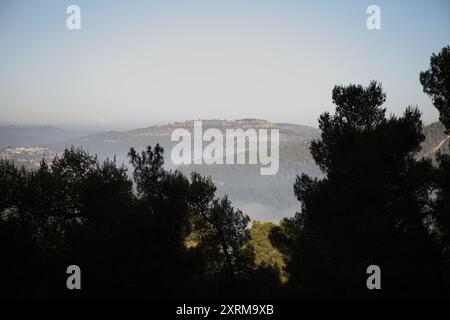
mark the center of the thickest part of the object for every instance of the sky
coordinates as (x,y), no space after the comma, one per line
(137,63)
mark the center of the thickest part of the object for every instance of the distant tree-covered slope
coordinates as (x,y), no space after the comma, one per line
(26,136)
(266,198)
(435,141)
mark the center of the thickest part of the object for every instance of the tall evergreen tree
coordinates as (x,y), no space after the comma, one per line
(436,83)
(368,210)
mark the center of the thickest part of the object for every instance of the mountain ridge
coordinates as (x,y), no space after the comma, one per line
(262,197)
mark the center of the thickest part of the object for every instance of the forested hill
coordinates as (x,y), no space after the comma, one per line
(435,141)
(266,198)
(29,136)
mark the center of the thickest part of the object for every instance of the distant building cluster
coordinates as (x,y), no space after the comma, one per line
(29,157)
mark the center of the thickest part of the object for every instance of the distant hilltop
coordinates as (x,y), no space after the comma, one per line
(266,198)
(101,142)
(29,136)
(287,130)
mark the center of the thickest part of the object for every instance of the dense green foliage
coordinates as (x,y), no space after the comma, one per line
(265,253)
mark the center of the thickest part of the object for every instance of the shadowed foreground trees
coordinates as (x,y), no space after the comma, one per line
(436,83)
(128,244)
(370,209)
(376,205)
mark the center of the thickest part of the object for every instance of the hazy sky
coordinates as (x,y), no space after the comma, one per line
(136,63)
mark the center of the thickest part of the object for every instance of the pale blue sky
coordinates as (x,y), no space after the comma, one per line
(136,63)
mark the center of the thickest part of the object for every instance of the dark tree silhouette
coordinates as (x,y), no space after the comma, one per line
(369,209)
(436,83)
(164,236)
